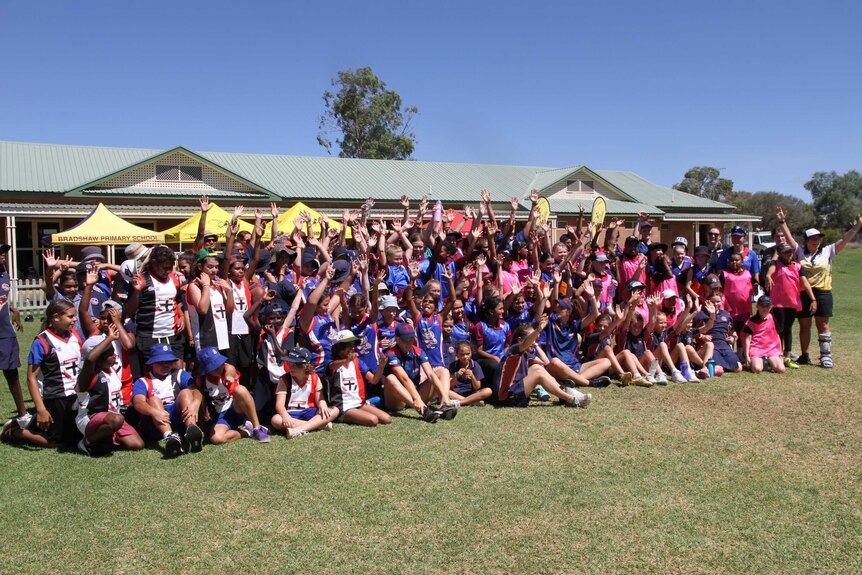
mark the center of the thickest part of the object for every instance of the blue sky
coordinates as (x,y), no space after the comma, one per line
(767,91)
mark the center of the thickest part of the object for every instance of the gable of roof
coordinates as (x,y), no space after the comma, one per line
(646,192)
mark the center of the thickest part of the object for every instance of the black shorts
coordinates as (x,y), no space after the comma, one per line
(241,354)
(516,400)
(146,341)
(9,353)
(725,357)
(63,411)
(824,304)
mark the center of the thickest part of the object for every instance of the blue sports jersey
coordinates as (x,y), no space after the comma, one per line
(367,348)
(525,316)
(397,280)
(460,332)
(319,340)
(682,268)
(429,334)
(411,361)
(492,339)
(563,341)
(517,386)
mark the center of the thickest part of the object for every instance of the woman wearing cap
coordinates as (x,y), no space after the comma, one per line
(681,265)
(346,389)
(299,403)
(750,261)
(631,266)
(816,262)
(783,281)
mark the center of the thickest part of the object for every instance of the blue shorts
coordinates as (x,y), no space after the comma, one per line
(9,354)
(148,429)
(306,414)
(231,418)
(376,401)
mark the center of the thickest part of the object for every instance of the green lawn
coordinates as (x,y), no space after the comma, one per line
(744,474)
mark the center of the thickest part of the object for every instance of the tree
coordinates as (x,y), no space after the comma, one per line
(800,215)
(705,182)
(837,199)
(369,118)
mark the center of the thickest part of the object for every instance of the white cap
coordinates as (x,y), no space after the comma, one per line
(344,336)
(90,345)
(681,241)
(127,269)
(811,232)
(668,293)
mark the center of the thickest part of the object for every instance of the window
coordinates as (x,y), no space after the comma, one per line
(167,173)
(583,186)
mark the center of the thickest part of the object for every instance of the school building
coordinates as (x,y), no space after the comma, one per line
(48,188)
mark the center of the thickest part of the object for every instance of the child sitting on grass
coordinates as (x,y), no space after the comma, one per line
(100,397)
(299,404)
(467,377)
(233,406)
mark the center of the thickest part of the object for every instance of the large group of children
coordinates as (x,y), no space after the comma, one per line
(348,324)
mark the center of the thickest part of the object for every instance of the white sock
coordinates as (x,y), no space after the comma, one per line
(166,434)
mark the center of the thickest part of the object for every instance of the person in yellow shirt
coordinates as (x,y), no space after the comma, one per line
(816,262)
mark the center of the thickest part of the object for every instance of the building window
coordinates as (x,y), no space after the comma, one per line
(165,173)
(583,186)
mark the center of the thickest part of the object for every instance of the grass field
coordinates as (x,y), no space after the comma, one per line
(744,474)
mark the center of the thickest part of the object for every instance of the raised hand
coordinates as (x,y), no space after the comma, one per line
(515,203)
(558,275)
(258,214)
(709,306)
(92,277)
(423,204)
(405,202)
(406,226)
(296,236)
(50,260)
(780,213)
(486,196)
(113,332)
(237,212)
(205,203)
(543,321)
(414,270)
(480,262)
(581,208)
(273,210)
(535,278)
(589,288)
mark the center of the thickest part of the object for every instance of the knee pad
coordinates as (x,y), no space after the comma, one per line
(825,340)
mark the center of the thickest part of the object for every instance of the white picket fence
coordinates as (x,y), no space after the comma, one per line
(27,295)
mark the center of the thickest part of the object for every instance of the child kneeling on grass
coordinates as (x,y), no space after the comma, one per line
(523,368)
(100,397)
(235,416)
(168,403)
(299,403)
(760,341)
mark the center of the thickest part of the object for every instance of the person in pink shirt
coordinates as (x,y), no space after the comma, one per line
(738,291)
(784,283)
(760,341)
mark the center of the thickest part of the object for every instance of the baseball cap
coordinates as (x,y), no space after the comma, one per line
(90,344)
(738,231)
(565,303)
(701,251)
(680,241)
(112,304)
(764,300)
(161,352)
(713,281)
(812,232)
(635,284)
(388,301)
(668,293)
(298,355)
(404,331)
(646,224)
(382,288)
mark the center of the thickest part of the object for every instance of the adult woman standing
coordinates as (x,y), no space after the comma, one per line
(816,262)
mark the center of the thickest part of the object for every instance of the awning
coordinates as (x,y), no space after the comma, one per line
(707,217)
(102,228)
(217,222)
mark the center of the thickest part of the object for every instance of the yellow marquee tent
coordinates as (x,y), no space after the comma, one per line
(103,228)
(217,221)
(285,221)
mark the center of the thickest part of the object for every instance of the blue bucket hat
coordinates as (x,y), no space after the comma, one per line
(210,359)
(161,352)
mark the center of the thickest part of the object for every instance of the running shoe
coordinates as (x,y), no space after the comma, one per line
(430,415)
(448,412)
(193,441)
(84,447)
(804,359)
(600,381)
(261,434)
(294,433)
(660,378)
(173,445)
(677,376)
(790,364)
(246,430)
(643,381)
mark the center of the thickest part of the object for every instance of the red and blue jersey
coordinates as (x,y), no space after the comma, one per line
(319,340)
(366,331)
(563,341)
(492,339)
(429,334)
(410,361)
(59,360)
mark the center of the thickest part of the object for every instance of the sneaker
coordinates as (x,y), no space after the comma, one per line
(480,403)
(8,429)
(702,373)
(261,434)
(448,412)
(826,361)
(24,420)
(660,378)
(430,415)
(583,401)
(600,381)
(677,376)
(625,379)
(327,427)
(294,433)
(193,441)
(794,356)
(691,377)
(84,447)
(643,381)
(246,430)
(803,359)
(173,445)
(790,364)
(719,371)
(541,394)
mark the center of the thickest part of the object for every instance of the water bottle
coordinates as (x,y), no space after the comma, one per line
(438,211)
(710,367)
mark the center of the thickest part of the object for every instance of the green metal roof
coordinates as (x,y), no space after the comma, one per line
(61,169)
(614,208)
(168,192)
